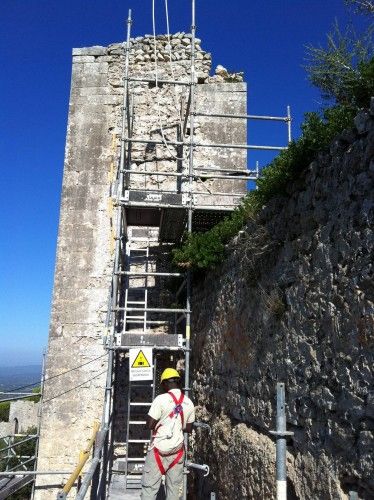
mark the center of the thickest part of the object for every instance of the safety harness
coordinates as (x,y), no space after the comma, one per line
(175,413)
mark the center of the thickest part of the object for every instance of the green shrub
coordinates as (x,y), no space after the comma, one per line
(4,411)
(206,250)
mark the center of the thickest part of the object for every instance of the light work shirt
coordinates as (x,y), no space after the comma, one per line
(169,432)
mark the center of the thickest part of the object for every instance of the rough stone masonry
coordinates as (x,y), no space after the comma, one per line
(76,361)
(294,302)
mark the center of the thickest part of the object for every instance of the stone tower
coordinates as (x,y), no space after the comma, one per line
(76,361)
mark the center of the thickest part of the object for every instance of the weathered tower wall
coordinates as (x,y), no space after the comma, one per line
(76,364)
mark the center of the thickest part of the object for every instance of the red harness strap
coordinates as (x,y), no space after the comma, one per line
(174,462)
(178,410)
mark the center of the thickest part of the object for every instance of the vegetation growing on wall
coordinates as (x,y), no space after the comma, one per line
(344,72)
(4,411)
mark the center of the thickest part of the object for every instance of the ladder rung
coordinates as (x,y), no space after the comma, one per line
(137,422)
(138,441)
(136,302)
(140,404)
(151,309)
(147,321)
(134,477)
(136,459)
(141,273)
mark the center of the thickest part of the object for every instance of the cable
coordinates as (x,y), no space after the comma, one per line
(59,374)
(73,388)
(156,80)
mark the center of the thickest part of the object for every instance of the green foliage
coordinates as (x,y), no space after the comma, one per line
(362,6)
(343,70)
(206,250)
(36,398)
(26,449)
(4,411)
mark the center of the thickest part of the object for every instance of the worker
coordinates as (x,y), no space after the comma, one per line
(170,414)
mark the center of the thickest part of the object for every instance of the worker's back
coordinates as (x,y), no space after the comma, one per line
(172,413)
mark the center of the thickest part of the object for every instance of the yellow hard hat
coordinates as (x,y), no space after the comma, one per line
(169,373)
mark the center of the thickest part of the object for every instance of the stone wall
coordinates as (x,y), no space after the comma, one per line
(26,413)
(294,302)
(23,415)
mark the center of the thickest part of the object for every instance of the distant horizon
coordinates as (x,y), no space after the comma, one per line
(34,363)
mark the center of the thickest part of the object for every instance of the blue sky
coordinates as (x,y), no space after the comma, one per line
(266,40)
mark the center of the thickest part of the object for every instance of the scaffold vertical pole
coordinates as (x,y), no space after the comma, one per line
(119,239)
(189,221)
(40,413)
(289,121)
(281,446)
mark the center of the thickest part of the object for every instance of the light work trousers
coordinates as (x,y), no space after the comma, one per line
(151,479)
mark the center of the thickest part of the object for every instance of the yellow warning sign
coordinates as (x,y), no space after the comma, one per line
(140,361)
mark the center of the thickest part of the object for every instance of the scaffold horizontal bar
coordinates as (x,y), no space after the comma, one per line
(206,145)
(142,321)
(154,347)
(34,473)
(249,176)
(139,204)
(157,172)
(141,273)
(153,80)
(245,117)
(227,177)
(229,170)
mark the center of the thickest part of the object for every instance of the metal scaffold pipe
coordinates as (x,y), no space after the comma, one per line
(289,123)
(121,170)
(244,117)
(281,435)
(189,221)
(281,447)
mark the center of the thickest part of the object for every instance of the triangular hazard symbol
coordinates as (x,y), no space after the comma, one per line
(140,361)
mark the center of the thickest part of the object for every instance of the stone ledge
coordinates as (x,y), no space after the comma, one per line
(96,50)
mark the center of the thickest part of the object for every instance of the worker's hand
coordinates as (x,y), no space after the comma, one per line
(151,423)
(188,428)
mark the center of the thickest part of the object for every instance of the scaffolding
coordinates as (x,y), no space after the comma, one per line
(131,319)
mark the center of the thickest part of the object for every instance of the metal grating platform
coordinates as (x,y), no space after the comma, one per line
(151,339)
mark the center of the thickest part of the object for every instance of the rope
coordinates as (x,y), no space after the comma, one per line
(73,388)
(59,374)
(156,79)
